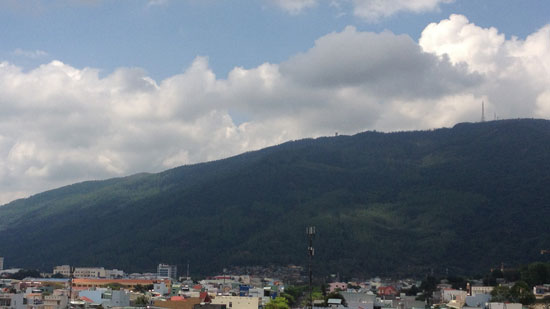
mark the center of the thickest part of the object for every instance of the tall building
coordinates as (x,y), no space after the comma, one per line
(167,271)
(1,263)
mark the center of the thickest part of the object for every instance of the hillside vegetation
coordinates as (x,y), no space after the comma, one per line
(462,199)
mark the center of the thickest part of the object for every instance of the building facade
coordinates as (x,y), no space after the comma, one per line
(167,271)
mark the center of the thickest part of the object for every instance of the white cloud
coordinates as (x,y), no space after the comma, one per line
(516,72)
(60,124)
(373,10)
(295,6)
(156,2)
(369,10)
(33,54)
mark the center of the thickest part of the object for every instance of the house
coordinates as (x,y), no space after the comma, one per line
(335,303)
(452,294)
(359,300)
(387,292)
(12,301)
(57,300)
(504,306)
(178,302)
(106,297)
(541,291)
(478,300)
(237,302)
(341,286)
(481,290)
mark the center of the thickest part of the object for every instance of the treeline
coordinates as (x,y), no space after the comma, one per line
(396,204)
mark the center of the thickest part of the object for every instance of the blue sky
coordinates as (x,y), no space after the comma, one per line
(163,39)
(93,89)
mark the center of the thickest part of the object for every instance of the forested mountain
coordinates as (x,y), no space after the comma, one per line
(463,199)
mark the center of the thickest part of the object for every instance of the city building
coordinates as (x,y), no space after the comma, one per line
(124,283)
(88,272)
(106,297)
(237,302)
(1,263)
(12,301)
(167,271)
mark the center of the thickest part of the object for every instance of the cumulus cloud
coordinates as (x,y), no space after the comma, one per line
(60,124)
(516,72)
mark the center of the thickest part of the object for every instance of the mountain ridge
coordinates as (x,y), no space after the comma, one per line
(383,203)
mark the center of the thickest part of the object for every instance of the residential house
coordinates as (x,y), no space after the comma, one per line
(237,302)
(341,286)
(387,292)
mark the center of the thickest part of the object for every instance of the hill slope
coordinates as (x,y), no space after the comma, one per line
(464,198)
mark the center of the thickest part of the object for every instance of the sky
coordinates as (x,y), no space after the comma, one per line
(94,89)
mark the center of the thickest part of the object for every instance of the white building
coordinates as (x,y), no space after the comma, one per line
(167,271)
(237,302)
(160,288)
(451,294)
(106,297)
(504,306)
(481,290)
(58,300)
(88,272)
(12,301)
(64,270)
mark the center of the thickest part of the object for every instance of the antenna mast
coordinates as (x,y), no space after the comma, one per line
(482,111)
(310,231)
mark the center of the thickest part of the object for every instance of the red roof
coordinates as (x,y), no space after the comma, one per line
(177,298)
(387,290)
(86,299)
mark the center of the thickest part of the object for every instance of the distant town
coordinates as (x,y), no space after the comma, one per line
(96,287)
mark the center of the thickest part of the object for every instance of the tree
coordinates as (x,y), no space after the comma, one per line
(141,301)
(58,275)
(290,299)
(536,273)
(500,294)
(413,291)
(277,303)
(24,273)
(521,293)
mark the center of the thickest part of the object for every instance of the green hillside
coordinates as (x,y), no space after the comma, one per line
(462,199)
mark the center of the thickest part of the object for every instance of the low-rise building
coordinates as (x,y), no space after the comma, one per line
(12,301)
(504,306)
(57,300)
(452,294)
(237,302)
(125,283)
(106,297)
(541,291)
(178,302)
(340,286)
(481,290)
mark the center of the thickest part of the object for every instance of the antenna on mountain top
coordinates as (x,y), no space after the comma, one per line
(482,111)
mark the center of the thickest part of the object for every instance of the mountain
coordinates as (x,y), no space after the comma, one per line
(461,199)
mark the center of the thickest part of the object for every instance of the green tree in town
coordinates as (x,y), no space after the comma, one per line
(141,301)
(500,294)
(521,293)
(278,303)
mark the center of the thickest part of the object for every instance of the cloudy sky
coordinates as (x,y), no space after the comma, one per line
(93,89)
